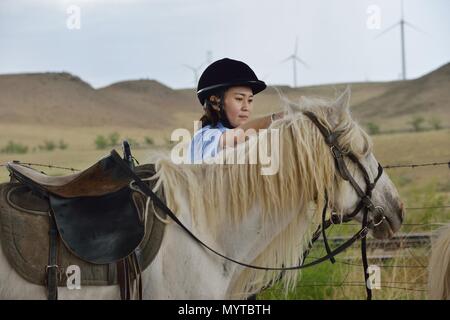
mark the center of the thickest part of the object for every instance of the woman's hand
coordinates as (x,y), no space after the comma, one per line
(238,135)
(278,115)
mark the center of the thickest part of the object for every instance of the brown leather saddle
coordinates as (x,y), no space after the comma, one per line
(96,214)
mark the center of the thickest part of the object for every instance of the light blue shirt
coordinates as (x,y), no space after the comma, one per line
(205,143)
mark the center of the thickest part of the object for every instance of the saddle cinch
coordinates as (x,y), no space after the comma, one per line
(94,219)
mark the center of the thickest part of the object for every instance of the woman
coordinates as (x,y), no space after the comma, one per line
(225,90)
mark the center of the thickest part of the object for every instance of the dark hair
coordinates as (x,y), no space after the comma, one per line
(212,116)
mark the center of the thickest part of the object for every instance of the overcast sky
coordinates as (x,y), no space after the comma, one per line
(133,39)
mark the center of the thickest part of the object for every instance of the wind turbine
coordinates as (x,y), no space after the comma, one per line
(295,58)
(402,24)
(195,71)
(208,57)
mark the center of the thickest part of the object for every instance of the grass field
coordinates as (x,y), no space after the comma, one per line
(418,187)
(405,276)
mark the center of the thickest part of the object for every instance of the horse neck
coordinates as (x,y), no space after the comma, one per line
(256,239)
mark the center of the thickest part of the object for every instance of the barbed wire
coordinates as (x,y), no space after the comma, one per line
(341,261)
(381,266)
(361,282)
(361,285)
(386,285)
(44,165)
(415,165)
(341,284)
(415,257)
(403,224)
(422,208)
(389,166)
(345,284)
(410,286)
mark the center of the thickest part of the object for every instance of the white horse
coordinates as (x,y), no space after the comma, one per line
(439,266)
(264,220)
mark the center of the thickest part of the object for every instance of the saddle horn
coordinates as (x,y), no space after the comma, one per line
(127,153)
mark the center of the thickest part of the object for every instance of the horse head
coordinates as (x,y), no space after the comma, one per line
(357,153)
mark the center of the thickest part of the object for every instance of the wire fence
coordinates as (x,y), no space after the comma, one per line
(411,257)
(407,286)
(416,165)
(342,261)
(389,166)
(360,284)
(413,286)
(50,166)
(392,166)
(417,264)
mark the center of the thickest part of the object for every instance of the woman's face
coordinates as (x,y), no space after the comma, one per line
(238,105)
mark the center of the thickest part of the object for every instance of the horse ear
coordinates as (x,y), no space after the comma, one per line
(341,106)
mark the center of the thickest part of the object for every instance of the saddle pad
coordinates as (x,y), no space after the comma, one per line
(24,237)
(102,229)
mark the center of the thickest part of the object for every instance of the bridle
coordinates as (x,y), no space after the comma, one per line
(365,204)
(365,201)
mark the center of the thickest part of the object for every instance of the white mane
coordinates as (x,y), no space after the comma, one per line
(221,194)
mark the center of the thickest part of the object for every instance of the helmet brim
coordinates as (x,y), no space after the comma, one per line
(256,86)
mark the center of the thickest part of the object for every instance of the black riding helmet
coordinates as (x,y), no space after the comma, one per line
(227,73)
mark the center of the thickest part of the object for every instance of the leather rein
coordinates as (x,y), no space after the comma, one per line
(365,204)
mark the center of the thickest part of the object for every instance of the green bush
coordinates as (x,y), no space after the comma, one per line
(133,143)
(436,123)
(373,128)
(62,145)
(113,139)
(417,123)
(13,147)
(101,142)
(48,146)
(149,141)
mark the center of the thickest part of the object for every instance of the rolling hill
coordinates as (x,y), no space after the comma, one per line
(64,99)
